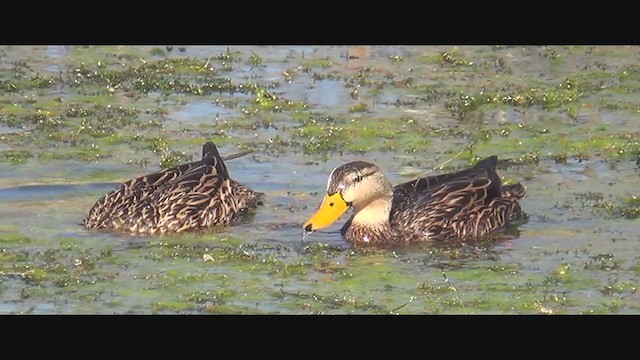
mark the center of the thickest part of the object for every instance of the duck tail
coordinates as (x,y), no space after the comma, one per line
(209,149)
(211,156)
(488,163)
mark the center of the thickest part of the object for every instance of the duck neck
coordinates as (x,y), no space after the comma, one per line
(372,214)
(369,225)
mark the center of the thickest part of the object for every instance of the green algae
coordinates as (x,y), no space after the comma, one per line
(113,106)
(461,103)
(347,282)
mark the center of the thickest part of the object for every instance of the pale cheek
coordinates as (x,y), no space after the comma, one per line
(346,194)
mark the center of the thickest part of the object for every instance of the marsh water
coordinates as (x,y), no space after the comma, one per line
(75,121)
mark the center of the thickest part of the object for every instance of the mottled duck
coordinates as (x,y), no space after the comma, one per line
(189,197)
(459,205)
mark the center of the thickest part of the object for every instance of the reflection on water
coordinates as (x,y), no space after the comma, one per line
(42,192)
(322,93)
(202,113)
(55,52)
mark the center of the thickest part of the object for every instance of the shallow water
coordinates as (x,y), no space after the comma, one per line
(569,256)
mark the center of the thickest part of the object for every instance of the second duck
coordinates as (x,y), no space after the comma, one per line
(193,196)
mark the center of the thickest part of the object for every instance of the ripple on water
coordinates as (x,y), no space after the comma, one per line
(323,93)
(55,53)
(202,112)
(42,192)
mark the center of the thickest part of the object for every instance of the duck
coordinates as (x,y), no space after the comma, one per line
(460,205)
(194,196)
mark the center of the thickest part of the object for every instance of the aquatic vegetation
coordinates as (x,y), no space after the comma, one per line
(16,156)
(454,58)
(627,207)
(563,118)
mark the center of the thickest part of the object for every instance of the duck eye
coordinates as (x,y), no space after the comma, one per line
(358,178)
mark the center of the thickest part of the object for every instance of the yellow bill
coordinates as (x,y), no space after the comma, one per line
(332,207)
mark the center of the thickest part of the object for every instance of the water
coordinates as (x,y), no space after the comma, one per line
(573,256)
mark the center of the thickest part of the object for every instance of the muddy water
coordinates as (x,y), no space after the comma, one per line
(567,257)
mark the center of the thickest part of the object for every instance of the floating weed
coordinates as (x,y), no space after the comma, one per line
(174,158)
(74,153)
(293,72)
(229,56)
(320,249)
(328,139)
(154,143)
(60,267)
(479,274)
(358,108)
(317,303)
(454,58)
(157,52)
(602,263)
(465,103)
(16,156)
(364,78)
(362,135)
(266,101)
(182,75)
(438,289)
(634,268)
(562,270)
(214,254)
(560,275)
(620,288)
(488,293)
(622,207)
(34,292)
(161,251)
(255,60)
(14,239)
(210,298)
(76,110)
(509,269)
(461,105)
(12,256)
(25,120)
(397,59)
(172,306)
(311,63)
(23,78)
(283,269)
(34,276)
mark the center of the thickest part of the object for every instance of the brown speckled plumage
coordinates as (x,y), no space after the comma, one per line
(460,205)
(189,197)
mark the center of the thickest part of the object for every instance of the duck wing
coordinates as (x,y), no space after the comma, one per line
(140,197)
(211,163)
(419,187)
(463,204)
